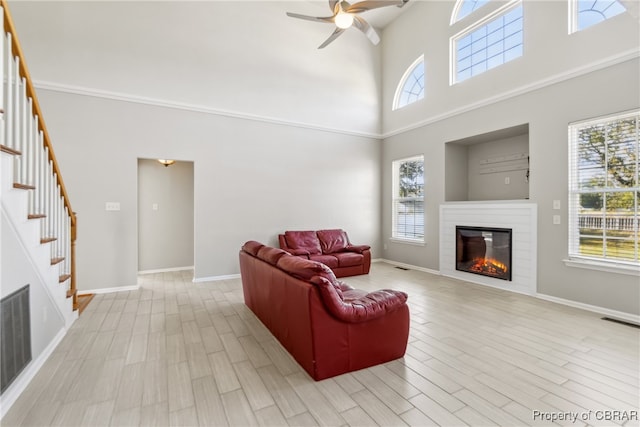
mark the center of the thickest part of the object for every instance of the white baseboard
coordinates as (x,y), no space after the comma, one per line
(14,391)
(409,266)
(166,270)
(215,278)
(620,315)
(109,290)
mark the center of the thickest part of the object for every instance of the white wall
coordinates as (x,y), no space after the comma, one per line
(561,78)
(165,215)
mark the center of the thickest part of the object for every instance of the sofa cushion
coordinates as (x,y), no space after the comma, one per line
(303,240)
(271,255)
(362,308)
(305,269)
(349,259)
(329,260)
(252,247)
(332,241)
(358,248)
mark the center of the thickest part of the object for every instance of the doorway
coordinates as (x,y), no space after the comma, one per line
(165,216)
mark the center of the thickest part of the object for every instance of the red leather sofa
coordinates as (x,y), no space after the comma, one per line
(330,247)
(327,326)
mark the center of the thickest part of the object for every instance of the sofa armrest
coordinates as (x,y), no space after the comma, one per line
(361,309)
(299,252)
(357,248)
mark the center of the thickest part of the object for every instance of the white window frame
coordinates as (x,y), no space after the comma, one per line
(456,11)
(403,81)
(576,259)
(453,56)
(395,236)
(573,16)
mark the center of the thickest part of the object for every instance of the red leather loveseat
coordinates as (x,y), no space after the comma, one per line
(327,326)
(330,247)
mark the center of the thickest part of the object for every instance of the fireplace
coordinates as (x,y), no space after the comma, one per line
(484,251)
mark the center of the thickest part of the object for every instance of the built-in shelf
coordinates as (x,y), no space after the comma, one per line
(489,166)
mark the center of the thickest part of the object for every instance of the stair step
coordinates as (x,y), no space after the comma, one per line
(63,279)
(8,150)
(58,260)
(83,302)
(36,216)
(48,240)
(23,186)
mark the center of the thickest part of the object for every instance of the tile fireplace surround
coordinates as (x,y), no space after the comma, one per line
(520,216)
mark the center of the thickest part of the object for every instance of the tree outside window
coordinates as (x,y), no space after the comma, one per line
(408,200)
(604,189)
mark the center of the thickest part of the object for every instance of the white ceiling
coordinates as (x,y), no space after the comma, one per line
(244,57)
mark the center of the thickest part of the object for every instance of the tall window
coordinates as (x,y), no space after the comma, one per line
(604,189)
(411,86)
(585,13)
(408,199)
(492,41)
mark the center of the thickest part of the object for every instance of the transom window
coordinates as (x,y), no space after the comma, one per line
(604,189)
(464,8)
(411,86)
(585,13)
(408,199)
(492,41)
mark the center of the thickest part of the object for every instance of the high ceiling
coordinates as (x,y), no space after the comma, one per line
(245,57)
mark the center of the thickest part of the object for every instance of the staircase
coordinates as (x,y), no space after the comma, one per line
(33,198)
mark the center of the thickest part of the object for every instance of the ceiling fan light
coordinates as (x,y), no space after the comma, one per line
(343,20)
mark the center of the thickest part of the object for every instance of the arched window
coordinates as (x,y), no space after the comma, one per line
(463,8)
(493,40)
(411,86)
(585,13)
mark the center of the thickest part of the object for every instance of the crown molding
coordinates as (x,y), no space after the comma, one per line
(539,84)
(164,103)
(157,102)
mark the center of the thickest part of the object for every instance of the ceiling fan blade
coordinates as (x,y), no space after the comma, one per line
(328,19)
(365,5)
(333,4)
(367,29)
(332,37)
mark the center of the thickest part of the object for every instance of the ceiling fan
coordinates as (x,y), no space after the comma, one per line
(346,15)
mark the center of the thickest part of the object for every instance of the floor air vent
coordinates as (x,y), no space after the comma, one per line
(15,336)
(622,322)
(402,268)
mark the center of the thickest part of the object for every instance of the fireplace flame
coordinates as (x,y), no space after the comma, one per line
(488,266)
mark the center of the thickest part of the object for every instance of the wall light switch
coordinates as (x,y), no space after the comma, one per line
(154,206)
(556,204)
(507,180)
(556,219)
(112,206)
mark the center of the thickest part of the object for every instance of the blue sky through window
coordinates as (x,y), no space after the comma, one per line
(495,43)
(591,12)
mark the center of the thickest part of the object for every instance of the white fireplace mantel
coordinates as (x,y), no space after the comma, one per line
(520,216)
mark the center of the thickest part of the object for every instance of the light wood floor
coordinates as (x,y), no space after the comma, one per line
(178,353)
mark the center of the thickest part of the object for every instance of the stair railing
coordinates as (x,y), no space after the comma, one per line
(24,134)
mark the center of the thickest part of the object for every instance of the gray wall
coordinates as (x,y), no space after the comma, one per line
(492,186)
(560,79)
(165,215)
(252,180)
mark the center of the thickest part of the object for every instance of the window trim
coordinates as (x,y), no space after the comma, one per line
(456,11)
(574,259)
(573,16)
(394,186)
(400,88)
(453,59)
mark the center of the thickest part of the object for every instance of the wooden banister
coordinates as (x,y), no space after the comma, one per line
(16,49)
(31,92)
